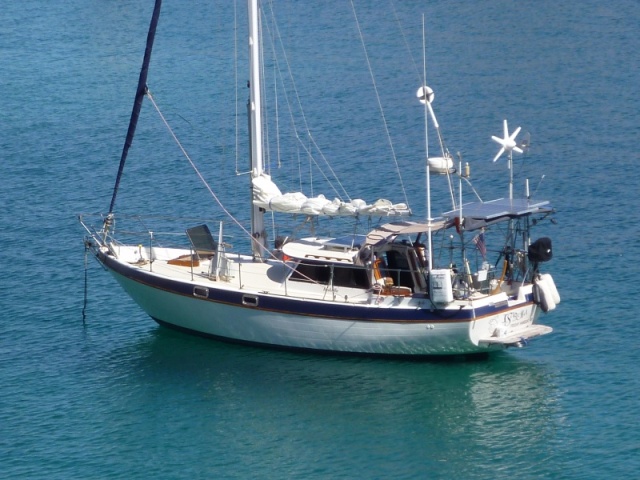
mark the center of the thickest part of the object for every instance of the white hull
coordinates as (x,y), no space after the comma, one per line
(248,324)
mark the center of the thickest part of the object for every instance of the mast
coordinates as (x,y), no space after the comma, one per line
(258,232)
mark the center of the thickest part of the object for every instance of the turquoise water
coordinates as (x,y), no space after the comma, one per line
(120,397)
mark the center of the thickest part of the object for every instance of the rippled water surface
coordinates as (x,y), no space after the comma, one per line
(120,397)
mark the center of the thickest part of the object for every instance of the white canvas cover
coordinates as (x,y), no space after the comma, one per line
(267,195)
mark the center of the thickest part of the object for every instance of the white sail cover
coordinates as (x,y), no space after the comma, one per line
(267,195)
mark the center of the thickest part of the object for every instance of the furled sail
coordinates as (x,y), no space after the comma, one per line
(267,195)
(137,103)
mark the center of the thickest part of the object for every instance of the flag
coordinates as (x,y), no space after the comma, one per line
(480,245)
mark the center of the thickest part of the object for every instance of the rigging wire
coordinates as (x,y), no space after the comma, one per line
(406,43)
(375,87)
(265,105)
(86,281)
(275,99)
(207,186)
(235,71)
(276,34)
(422,79)
(193,165)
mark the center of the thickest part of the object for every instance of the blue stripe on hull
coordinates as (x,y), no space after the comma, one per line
(290,305)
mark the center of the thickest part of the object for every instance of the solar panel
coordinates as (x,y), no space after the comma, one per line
(502,207)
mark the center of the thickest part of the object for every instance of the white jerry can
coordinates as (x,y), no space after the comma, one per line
(440,287)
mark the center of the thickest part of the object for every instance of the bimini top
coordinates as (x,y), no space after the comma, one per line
(480,214)
(388,232)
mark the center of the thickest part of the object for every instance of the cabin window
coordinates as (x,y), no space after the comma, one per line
(355,277)
(343,275)
(308,272)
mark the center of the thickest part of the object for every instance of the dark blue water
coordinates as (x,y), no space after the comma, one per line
(121,397)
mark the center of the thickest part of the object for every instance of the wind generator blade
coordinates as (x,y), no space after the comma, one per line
(425,94)
(507,142)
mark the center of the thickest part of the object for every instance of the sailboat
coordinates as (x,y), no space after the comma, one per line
(403,287)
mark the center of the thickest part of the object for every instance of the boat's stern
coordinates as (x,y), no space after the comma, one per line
(509,323)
